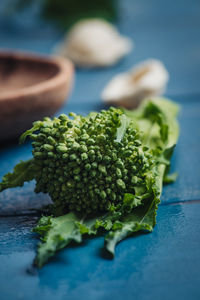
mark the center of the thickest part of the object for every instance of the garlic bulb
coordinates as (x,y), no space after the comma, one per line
(144,80)
(94,43)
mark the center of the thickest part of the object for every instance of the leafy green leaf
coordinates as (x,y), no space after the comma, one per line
(36,126)
(130,201)
(156,118)
(24,171)
(56,233)
(141,218)
(127,228)
(122,129)
(170,178)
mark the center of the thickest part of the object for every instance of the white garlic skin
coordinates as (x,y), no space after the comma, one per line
(94,43)
(146,79)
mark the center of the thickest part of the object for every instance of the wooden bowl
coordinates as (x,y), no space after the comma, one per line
(31,87)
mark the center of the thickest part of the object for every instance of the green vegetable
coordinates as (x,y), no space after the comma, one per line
(104,172)
(65,13)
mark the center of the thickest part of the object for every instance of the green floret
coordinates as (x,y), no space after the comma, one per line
(86,163)
(104,171)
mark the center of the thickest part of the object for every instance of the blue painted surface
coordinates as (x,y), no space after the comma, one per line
(164,264)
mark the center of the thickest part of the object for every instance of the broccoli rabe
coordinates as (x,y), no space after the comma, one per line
(88,163)
(104,170)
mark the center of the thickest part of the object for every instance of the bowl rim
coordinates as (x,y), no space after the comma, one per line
(64,74)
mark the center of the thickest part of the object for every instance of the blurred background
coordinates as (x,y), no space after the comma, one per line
(166,30)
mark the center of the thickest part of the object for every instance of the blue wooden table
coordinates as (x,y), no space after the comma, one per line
(162,265)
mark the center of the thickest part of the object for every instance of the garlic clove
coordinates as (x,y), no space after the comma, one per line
(94,43)
(144,80)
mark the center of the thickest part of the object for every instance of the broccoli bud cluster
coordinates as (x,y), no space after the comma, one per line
(82,165)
